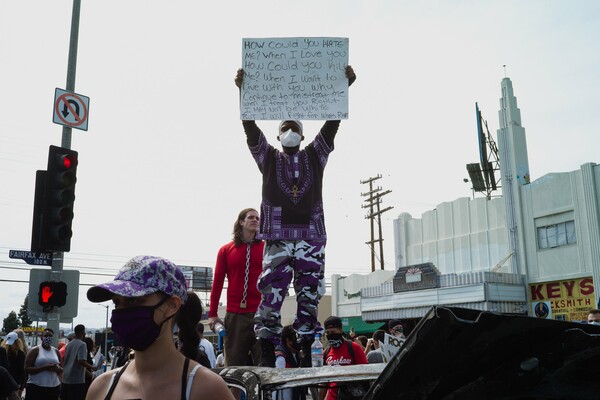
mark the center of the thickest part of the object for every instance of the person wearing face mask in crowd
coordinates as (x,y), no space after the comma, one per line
(594,317)
(43,366)
(293,226)
(341,352)
(396,329)
(287,355)
(150,295)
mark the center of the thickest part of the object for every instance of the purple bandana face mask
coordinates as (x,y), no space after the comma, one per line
(135,326)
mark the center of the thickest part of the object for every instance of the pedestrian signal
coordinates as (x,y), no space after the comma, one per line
(52,294)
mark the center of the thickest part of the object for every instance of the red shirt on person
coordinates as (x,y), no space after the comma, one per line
(341,357)
(231,263)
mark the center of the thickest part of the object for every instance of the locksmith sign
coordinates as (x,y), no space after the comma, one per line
(294,78)
(568,300)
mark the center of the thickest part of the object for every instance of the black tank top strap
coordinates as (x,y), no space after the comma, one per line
(115,380)
(186,364)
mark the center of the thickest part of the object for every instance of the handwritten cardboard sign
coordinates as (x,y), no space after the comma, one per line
(294,78)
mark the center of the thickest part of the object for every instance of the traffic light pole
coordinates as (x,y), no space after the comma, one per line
(57,262)
(72,65)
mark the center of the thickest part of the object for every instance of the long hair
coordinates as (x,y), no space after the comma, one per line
(237,228)
(89,342)
(21,336)
(187,319)
(13,349)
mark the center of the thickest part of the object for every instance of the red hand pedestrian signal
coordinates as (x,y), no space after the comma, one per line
(52,294)
(46,294)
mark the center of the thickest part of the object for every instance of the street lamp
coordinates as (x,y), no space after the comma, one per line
(105,331)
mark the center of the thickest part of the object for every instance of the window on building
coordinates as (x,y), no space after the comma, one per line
(556,235)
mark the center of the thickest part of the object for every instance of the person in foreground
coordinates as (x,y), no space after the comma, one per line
(150,295)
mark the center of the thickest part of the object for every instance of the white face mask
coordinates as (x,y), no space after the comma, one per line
(290,138)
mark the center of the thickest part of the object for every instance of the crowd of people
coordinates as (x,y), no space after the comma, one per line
(44,372)
(161,340)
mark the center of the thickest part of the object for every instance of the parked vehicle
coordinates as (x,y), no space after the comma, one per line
(456,353)
(260,383)
(461,354)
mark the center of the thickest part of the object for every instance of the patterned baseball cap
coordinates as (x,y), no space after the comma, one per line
(141,276)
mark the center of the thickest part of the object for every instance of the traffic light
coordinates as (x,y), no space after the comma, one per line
(52,294)
(54,232)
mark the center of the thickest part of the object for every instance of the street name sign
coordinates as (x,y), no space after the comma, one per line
(32,257)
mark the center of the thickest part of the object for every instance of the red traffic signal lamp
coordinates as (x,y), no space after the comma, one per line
(52,294)
(54,200)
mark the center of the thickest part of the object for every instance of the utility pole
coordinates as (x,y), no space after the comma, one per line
(57,258)
(373,203)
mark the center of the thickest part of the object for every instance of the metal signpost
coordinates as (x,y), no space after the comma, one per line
(54,317)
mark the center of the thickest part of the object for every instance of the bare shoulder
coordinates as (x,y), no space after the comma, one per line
(99,386)
(208,385)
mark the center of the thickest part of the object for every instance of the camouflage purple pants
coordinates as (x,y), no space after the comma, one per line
(284,260)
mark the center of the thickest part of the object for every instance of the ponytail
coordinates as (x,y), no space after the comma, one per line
(188,317)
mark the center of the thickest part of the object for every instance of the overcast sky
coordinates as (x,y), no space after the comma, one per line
(164,168)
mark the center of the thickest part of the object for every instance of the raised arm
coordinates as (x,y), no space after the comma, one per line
(250,128)
(239,78)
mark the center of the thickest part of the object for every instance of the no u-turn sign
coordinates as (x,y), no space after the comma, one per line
(71,109)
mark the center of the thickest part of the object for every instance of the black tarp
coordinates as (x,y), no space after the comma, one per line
(456,353)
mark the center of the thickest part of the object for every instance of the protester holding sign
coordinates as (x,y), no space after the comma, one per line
(293,226)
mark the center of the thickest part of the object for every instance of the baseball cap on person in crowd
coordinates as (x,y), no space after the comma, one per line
(395,323)
(11,338)
(141,276)
(333,322)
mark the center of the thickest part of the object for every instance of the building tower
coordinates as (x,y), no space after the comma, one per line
(514,169)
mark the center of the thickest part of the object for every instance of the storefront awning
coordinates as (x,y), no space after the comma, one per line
(504,307)
(360,327)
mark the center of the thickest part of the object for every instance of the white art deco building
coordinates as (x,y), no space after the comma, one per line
(534,250)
